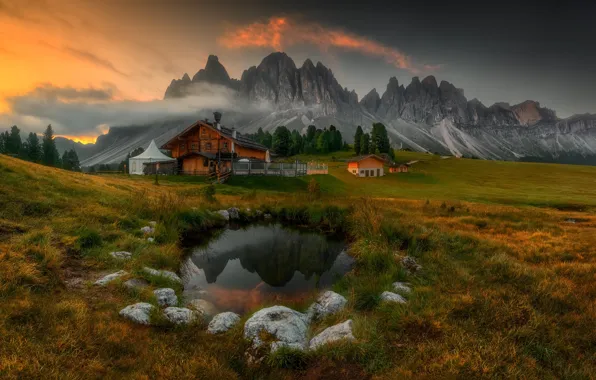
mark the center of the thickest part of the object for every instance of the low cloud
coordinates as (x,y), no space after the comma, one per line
(88,111)
(281,32)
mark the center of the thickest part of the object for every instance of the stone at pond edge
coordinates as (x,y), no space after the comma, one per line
(392,297)
(150,239)
(166,297)
(180,315)
(136,284)
(409,263)
(138,313)
(401,287)
(224,213)
(341,331)
(163,273)
(110,277)
(286,328)
(205,308)
(233,212)
(121,255)
(328,303)
(152,223)
(222,322)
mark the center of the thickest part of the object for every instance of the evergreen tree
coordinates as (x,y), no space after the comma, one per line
(3,138)
(66,161)
(357,138)
(380,139)
(13,143)
(33,148)
(282,140)
(50,155)
(297,142)
(267,140)
(364,143)
(310,133)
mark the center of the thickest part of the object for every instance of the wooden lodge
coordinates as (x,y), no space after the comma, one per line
(206,148)
(367,166)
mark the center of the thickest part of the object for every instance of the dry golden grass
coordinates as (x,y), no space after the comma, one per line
(506,291)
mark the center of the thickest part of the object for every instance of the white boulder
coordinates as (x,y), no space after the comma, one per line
(341,331)
(163,273)
(110,277)
(285,327)
(150,239)
(392,297)
(180,315)
(147,230)
(402,287)
(136,284)
(204,308)
(138,313)
(328,303)
(166,297)
(224,213)
(121,255)
(222,322)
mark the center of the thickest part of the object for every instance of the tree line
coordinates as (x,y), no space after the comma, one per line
(42,152)
(376,142)
(285,143)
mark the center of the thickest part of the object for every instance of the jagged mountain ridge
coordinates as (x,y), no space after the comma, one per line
(424,115)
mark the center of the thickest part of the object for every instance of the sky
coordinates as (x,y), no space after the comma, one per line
(113,60)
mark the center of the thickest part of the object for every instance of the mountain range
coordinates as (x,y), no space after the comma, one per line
(423,115)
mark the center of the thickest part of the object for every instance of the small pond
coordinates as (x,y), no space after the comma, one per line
(244,267)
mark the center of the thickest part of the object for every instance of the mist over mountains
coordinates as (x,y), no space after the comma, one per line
(423,115)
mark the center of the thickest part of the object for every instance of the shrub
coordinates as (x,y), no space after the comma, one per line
(208,193)
(289,358)
(88,238)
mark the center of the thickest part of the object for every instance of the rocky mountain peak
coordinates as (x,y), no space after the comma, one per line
(430,81)
(529,113)
(371,101)
(186,78)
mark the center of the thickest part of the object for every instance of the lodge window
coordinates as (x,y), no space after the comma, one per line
(208,146)
(203,132)
(361,171)
(182,147)
(225,145)
(194,146)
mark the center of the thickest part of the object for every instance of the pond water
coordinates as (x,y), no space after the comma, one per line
(243,268)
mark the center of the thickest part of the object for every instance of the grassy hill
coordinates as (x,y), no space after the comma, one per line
(507,288)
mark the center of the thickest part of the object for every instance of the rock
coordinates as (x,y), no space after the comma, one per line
(166,297)
(138,313)
(571,221)
(402,287)
(153,223)
(258,213)
(268,216)
(341,331)
(163,273)
(392,297)
(205,308)
(328,303)
(150,239)
(225,214)
(222,322)
(180,315)
(136,284)
(285,327)
(234,213)
(409,263)
(121,255)
(110,277)
(147,230)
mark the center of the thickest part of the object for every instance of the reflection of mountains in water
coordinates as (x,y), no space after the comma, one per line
(273,252)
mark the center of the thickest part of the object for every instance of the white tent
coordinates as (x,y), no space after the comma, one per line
(151,154)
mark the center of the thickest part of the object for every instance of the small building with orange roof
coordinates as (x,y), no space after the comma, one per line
(367,166)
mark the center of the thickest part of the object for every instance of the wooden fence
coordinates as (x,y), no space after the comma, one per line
(269,168)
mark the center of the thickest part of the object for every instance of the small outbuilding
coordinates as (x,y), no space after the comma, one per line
(398,168)
(150,156)
(367,166)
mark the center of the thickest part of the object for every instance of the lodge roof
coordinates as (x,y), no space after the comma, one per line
(224,131)
(360,158)
(211,156)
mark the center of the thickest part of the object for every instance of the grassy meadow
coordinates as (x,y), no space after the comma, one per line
(507,289)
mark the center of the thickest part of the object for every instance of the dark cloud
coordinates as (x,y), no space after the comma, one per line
(68,94)
(88,111)
(92,58)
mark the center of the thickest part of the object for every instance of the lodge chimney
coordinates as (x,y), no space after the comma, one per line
(217,117)
(234,133)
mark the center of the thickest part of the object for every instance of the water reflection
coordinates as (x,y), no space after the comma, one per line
(242,268)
